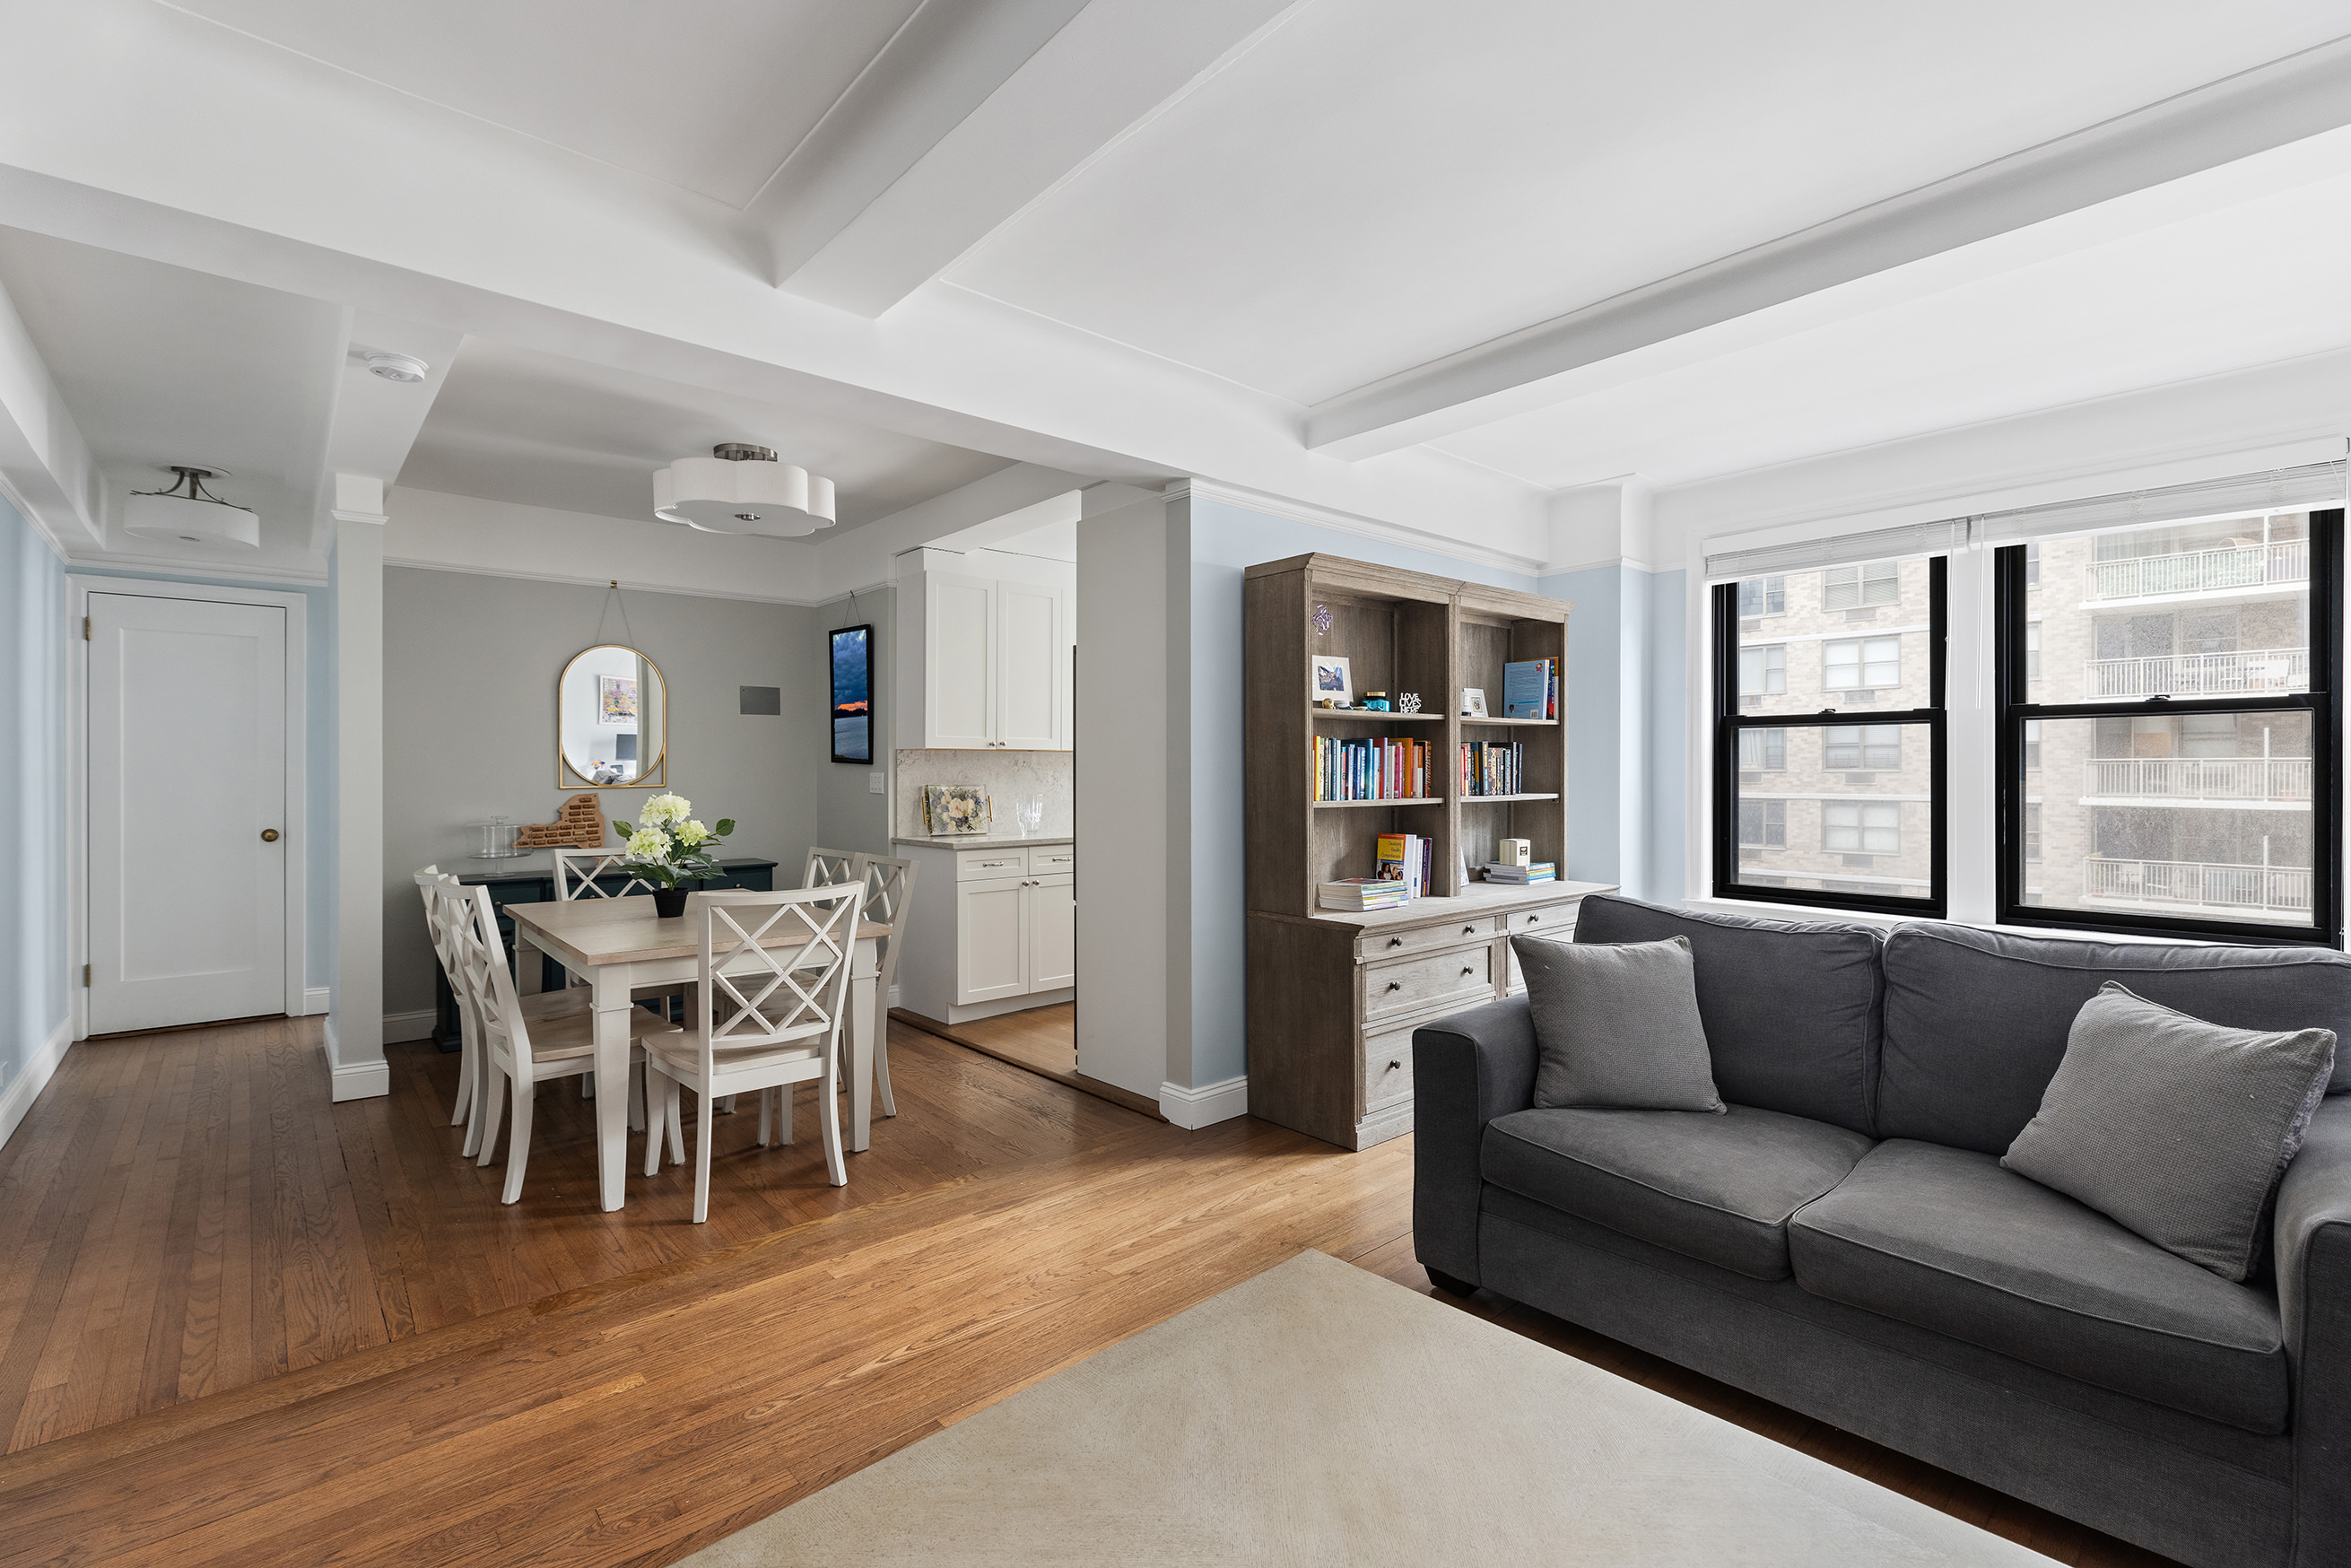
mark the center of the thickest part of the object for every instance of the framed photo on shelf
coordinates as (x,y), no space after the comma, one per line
(1331,680)
(1473,702)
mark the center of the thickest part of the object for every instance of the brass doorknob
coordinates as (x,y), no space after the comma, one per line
(268,835)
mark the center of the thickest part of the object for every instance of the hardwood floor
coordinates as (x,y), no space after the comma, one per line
(670,1383)
(1042,1040)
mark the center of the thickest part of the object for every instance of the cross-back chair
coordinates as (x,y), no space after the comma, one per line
(427,879)
(771,993)
(576,872)
(519,1053)
(829,868)
(889,902)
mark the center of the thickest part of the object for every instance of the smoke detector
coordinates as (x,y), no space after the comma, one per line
(395,367)
(742,489)
(186,513)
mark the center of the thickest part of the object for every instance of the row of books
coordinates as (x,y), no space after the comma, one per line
(1381,769)
(1530,688)
(1492,768)
(1521,875)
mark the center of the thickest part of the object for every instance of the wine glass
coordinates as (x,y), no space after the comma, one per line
(1030,814)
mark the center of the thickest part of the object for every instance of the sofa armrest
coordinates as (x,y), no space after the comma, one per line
(1467,1070)
(2313,1239)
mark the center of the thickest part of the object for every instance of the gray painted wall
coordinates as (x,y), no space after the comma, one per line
(469,671)
(849,816)
(34,645)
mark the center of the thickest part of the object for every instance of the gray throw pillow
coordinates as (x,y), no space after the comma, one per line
(1617,1025)
(2173,1127)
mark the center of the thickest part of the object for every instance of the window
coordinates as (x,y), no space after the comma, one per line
(1762,750)
(1762,672)
(1762,596)
(1763,824)
(1865,662)
(1862,827)
(1866,798)
(2182,766)
(1862,745)
(2031,566)
(1861,587)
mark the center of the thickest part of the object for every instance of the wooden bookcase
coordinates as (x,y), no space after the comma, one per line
(1333,996)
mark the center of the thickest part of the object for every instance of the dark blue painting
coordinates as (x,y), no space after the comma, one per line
(852,695)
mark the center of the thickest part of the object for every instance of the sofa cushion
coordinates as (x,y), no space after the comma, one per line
(1947,1239)
(1791,1009)
(1715,1187)
(1616,1025)
(1976,1021)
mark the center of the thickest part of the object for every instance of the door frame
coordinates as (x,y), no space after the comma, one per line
(296,606)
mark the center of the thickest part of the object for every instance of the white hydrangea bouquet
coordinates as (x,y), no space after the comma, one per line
(667,844)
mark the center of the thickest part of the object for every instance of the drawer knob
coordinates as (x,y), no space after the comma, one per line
(1532,918)
(1468,969)
(1393,1065)
(1395,941)
(1469,931)
(1398,985)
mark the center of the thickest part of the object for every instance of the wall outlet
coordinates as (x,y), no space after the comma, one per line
(877,783)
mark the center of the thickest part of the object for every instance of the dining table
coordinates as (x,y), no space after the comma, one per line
(619,944)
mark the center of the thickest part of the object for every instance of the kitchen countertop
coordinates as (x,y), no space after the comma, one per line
(987,841)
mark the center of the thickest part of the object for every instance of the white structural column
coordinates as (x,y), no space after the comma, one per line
(1602,555)
(355,1018)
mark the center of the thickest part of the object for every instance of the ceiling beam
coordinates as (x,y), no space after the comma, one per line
(885,224)
(45,465)
(2288,100)
(375,421)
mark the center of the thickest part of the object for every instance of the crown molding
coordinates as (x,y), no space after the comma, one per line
(307,577)
(341,515)
(599,579)
(1352,523)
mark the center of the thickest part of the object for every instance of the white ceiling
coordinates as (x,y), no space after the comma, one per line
(710,95)
(1381,182)
(513,424)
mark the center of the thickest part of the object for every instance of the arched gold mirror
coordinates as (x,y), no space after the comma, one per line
(612,721)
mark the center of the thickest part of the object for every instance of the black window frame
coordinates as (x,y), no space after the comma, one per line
(1729,722)
(2010,607)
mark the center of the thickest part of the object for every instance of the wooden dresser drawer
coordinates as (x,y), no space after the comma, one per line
(1421,939)
(1414,985)
(1387,1065)
(1556,921)
(978,864)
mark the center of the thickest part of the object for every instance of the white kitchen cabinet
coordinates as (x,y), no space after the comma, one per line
(994,930)
(994,666)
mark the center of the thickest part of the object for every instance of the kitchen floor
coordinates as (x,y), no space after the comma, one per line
(1042,1040)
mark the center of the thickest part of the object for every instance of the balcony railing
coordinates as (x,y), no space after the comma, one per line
(2252,670)
(2197,571)
(2199,778)
(2250,889)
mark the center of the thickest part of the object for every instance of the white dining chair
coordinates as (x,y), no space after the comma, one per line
(762,1018)
(519,1053)
(576,872)
(536,1007)
(829,868)
(889,903)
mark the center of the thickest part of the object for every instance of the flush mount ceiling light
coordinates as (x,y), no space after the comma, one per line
(395,367)
(187,514)
(740,490)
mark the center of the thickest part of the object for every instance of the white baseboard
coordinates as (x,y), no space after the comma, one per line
(894,992)
(316,1000)
(362,1081)
(398,1026)
(1202,1107)
(18,1097)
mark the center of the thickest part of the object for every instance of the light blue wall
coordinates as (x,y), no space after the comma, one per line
(1668,736)
(1596,715)
(34,995)
(1225,541)
(318,751)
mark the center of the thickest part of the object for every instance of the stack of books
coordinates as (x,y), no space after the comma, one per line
(1492,766)
(1531,689)
(1519,875)
(1387,769)
(1356,894)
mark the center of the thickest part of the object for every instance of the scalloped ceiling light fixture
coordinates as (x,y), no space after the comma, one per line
(742,489)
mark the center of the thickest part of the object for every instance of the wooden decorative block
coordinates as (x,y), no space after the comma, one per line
(578,825)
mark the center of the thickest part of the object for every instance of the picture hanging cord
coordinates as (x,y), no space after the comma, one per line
(611,593)
(853,613)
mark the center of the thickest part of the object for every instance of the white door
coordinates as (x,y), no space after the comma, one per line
(187,811)
(1053,932)
(959,663)
(1031,633)
(991,940)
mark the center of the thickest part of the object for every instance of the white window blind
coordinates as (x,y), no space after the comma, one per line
(1844,549)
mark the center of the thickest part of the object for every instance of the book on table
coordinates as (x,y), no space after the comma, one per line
(1520,876)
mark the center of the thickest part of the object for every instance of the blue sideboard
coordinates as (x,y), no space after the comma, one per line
(535,885)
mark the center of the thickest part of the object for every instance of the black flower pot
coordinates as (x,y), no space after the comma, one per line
(669,903)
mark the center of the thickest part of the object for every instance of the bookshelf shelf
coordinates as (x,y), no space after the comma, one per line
(1412,800)
(1548,722)
(1502,800)
(1323,714)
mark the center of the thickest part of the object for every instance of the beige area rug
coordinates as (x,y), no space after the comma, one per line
(1319,1415)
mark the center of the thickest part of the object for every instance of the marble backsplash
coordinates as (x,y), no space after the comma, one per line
(1006,776)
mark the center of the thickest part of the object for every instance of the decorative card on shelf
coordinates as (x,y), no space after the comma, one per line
(1332,682)
(949,810)
(1473,702)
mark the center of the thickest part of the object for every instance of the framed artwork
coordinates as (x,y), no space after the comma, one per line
(616,702)
(852,694)
(1331,679)
(1473,702)
(952,808)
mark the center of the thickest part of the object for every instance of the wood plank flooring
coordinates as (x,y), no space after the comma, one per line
(636,1409)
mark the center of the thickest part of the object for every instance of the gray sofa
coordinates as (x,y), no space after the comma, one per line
(1844,1242)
